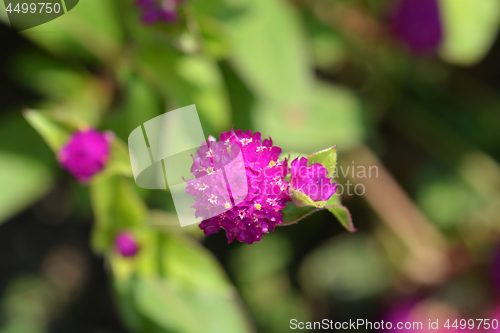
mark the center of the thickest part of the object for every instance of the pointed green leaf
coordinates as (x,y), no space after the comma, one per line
(341,212)
(334,200)
(471,28)
(23,180)
(327,158)
(54,134)
(293,214)
(268,34)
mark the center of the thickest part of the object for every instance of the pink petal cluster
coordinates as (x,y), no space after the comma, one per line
(85,153)
(259,211)
(126,244)
(311,180)
(158,10)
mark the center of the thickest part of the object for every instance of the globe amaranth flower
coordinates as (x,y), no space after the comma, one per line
(158,10)
(85,153)
(126,244)
(245,196)
(311,180)
(249,210)
(418,24)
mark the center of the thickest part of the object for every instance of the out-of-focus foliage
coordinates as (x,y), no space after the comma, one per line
(417,137)
(471,28)
(23,180)
(174,284)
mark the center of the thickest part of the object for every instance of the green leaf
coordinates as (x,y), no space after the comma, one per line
(82,96)
(447,200)
(177,285)
(347,267)
(54,134)
(91,30)
(327,158)
(185,311)
(293,214)
(188,80)
(138,96)
(169,222)
(335,207)
(304,207)
(269,51)
(192,266)
(116,206)
(300,199)
(246,264)
(471,28)
(335,115)
(23,181)
(343,215)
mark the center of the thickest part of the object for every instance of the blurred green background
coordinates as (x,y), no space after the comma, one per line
(309,73)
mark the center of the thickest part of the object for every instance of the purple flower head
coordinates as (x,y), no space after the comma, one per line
(418,24)
(158,10)
(85,153)
(311,180)
(248,212)
(126,244)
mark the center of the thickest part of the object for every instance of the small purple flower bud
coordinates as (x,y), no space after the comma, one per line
(158,10)
(418,24)
(168,16)
(311,180)
(85,153)
(150,16)
(126,244)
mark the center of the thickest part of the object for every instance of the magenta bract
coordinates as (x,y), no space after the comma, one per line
(126,244)
(311,180)
(85,153)
(158,10)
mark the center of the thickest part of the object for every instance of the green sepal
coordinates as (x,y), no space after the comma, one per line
(327,158)
(292,214)
(300,199)
(335,207)
(51,131)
